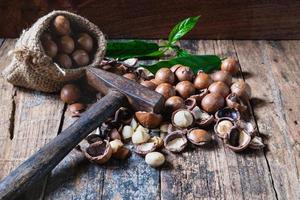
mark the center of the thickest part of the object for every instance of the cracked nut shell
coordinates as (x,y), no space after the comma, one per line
(99,152)
(237,139)
(175,142)
(228,112)
(223,127)
(153,144)
(182,118)
(202,118)
(148,119)
(233,101)
(122,153)
(241,89)
(199,137)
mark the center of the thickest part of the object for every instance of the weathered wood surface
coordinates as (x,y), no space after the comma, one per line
(272,70)
(243,19)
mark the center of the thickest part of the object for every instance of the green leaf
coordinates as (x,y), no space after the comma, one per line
(132,49)
(180,52)
(207,63)
(182,28)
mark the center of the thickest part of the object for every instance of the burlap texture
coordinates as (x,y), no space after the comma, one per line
(32,68)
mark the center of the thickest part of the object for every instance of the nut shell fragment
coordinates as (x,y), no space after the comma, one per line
(148,119)
(228,112)
(202,118)
(199,137)
(122,153)
(223,127)
(99,152)
(256,143)
(175,142)
(233,101)
(237,139)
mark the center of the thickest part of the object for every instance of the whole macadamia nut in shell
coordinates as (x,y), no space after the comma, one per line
(184,73)
(202,81)
(164,75)
(80,57)
(230,65)
(185,89)
(70,93)
(220,88)
(222,76)
(85,42)
(212,102)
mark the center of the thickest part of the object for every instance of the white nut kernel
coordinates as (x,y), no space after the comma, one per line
(140,135)
(116,145)
(127,132)
(183,119)
(155,159)
(133,124)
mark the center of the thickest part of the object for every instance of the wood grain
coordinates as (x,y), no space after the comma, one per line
(30,120)
(274,70)
(216,172)
(153,18)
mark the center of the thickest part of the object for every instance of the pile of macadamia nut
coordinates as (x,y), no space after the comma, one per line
(68,50)
(198,109)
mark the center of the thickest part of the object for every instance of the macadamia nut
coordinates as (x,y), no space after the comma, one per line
(155,159)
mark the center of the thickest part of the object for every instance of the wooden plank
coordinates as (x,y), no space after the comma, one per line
(274,70)
(216,172)
(242,19)
(33,120)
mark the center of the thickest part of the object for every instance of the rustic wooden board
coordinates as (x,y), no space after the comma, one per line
(215,172)
(242,19)
(31,120)
(274,77)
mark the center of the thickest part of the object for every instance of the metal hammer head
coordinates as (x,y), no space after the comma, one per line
(139,97)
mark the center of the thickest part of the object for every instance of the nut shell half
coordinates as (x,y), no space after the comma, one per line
(148,119)
(228,112)
(233,101)
(237,139)
(99,152)
(153,144)
(202,118)
(175,142)
(199,137)
(223,127)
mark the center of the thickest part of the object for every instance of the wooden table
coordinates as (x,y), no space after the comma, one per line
(30,119)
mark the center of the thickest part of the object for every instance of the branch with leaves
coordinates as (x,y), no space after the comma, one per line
(150,50)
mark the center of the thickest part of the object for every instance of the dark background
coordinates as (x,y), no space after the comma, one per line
(231,19)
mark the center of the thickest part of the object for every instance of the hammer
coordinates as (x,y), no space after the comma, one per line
(118,90)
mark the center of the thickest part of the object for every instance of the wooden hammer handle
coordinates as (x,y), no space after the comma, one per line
(43,161)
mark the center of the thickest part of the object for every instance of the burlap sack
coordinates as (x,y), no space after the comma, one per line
(32,68)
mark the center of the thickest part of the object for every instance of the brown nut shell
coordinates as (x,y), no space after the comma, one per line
(50,48)
(64,61)
(184,73)
(185,89)
(148,119)
(223,127)
(166,89)
(241,89)
(80,57)
(190,103)
(199,137)
(202,81)
(164,75)
(175,142)
(237,139)
(174,103)
(85,42)
(122,153)
(200,95)
(61,25)
(220,88)
(233,101)
(66,44)
(98,152)
(70,94)
(76,109)
(232,113)
(202,118)
(212,102)
(153,144)
(230,65)
(222,76)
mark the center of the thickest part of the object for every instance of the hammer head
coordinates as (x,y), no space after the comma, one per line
(139,97)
